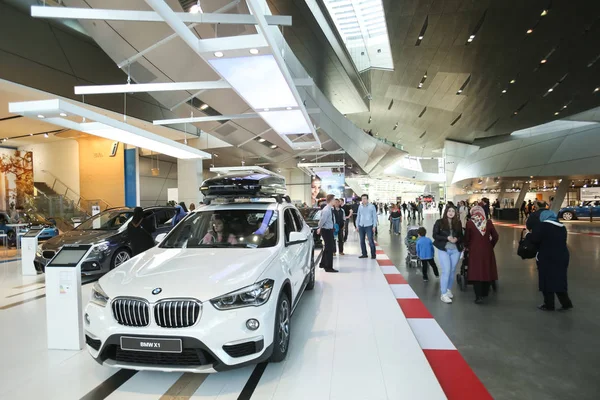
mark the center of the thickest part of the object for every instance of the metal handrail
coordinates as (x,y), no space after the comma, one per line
(77,195)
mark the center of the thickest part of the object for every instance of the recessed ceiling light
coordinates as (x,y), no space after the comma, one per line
(597,90)
(504,91)
(516,112)
(31,134)
(261,140)
(420,37)
(273,146)
(472,37)
(513,81)
(544,61)
(304,159)
(556,113)
(204,106)
(216,155)
(219,54)
(544,13)
(550,90)
(45,135)
(41,116)
(564,106)
(266,109)
(420,85)
(195,9)
(63,114)
(253,51)
(288,108)
(529,31)
(459,91)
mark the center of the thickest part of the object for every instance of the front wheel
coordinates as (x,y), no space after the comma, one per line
(119,258)
(281,337)
(568,216)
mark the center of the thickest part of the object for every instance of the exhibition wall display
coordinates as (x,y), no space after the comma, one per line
(16,177)
(327,183)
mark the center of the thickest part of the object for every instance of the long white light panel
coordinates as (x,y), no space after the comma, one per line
(257,79)
(286,122)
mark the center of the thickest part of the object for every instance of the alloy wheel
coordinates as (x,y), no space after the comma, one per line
(284,325)
(121,257)
(567,216)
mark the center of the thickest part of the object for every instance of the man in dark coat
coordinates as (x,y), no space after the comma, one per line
(534,219)
(552,260)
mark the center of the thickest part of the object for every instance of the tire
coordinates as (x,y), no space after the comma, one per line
(120,257)
(311,279)
(568,216)
(281,330)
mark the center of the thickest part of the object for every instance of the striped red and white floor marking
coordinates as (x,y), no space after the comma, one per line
(455,376)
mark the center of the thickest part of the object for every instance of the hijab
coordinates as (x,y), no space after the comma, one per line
(479,219)
(548,215)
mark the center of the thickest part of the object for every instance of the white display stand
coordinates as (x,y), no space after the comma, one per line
(29,244)
(64,309)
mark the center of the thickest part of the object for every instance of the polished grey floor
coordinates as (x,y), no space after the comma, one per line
(518,351)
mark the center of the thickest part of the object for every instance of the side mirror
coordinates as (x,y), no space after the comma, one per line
(160,237)
(297,237)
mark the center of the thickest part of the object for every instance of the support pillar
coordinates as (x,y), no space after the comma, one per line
(189,179)
(561,192)
(522,195)
(502,194)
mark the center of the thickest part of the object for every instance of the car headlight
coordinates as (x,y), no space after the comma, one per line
(101,247)
(253,295)
(39,250)
(99,297)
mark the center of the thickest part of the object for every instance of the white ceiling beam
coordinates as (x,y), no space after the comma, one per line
(229,43)
(147,50)
(324,153)
(209,118)
(150,16)
(254,138)
(151,87)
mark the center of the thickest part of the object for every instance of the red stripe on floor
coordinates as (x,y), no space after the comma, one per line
(379,252)
(385,263)
(414,308)
(395,279)
(457,379)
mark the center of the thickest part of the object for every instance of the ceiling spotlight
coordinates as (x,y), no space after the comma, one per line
(253,51)
(370,119)
(544,61)
(529,31)
(420,85)
(31,134)
(420,37)
(63,114)
(459,91)
(273,146)
(4,140)
(556,113)
(597,90)
(45,135)
(544,13)
(288,108)
(516,112)
(261,140)
(41,116)
(425,76)
(512,81)
(565,106)
(204,106)
(196,9)
(219,54)
(216,155)
(504,91)
(266,109)
(550,90)
(304,159)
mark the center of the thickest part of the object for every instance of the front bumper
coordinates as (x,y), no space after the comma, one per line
(207,345)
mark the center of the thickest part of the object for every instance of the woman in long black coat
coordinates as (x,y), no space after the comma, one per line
(552,260)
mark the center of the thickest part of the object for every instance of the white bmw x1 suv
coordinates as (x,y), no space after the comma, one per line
(218,292)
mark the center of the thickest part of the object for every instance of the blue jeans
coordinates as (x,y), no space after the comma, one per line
(448,260)
(368,231)
(396,224)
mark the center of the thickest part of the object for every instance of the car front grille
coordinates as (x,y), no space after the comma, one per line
(177,313)
(187,358)
(131,312)
(48,254)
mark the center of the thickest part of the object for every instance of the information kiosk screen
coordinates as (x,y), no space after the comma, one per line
(32,232)
(69,256)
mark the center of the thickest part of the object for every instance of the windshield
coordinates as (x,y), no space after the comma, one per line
(106,221)
(225,228)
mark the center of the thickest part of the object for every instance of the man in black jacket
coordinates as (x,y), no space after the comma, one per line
(339,217)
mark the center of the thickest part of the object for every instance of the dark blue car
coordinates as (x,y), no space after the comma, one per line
(581,211)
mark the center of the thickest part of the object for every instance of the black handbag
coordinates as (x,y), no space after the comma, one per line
(527,249)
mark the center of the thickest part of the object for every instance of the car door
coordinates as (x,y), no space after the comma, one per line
(584,210)
(163,220)
(291,253)
(307,247)
(596,209)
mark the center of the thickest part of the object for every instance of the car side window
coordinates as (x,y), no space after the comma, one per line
(164,216)
(298,219)
(289,223)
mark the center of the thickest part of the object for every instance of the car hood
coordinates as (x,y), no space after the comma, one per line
(202,274)
(78,237)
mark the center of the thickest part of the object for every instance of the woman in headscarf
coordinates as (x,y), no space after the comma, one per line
(480,239)
(139,238)
(552,260)
(179,215)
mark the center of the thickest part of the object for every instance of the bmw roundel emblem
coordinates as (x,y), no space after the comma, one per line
(156,291)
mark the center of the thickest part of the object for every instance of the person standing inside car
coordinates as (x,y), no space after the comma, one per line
(367,225)
(325,229)
(140,239)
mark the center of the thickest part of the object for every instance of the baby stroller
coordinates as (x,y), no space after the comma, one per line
(461,277)
(411,246)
